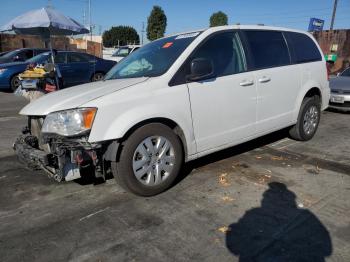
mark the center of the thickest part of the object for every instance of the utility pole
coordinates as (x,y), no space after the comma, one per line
(333,15)
(84,16)
(90,26)
(142,32)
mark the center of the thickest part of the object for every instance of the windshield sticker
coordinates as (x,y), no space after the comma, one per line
(167,45)
(189,35)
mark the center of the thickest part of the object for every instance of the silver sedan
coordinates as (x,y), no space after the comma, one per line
(340,91)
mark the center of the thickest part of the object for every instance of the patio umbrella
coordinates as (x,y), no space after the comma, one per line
(44,22)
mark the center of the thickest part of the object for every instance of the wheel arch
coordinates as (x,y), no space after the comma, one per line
(309,90)
(113,150)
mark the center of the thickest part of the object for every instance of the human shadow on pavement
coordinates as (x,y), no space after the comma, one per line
(279,231)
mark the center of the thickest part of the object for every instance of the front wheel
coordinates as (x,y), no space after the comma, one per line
(97,77)
(15,83)
(308,119)
(150,160)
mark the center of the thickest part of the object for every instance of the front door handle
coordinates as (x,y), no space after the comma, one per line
(264,79)
(246,83)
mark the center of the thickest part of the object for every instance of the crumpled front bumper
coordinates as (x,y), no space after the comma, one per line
(65,159)
(29,154)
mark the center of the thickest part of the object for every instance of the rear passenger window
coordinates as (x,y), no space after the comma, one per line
(267,49)
(303,48)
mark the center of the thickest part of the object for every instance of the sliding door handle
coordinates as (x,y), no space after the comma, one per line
(264,79)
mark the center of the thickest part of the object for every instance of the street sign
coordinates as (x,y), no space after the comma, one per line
(316,24)
(331,57)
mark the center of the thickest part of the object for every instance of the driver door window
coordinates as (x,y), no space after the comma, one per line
(78,69)
(25,55)
(225,53)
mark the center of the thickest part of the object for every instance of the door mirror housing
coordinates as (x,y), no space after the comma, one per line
(17,58)
(201,68)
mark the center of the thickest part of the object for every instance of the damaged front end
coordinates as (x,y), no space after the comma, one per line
(63,158)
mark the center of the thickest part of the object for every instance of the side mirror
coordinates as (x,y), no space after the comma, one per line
(201,68)
(338,74)
(17,58)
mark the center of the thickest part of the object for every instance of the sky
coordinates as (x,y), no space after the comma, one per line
(185,15)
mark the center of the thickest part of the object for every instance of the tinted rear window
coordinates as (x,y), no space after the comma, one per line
(267,49)
(303,48)
(346,72)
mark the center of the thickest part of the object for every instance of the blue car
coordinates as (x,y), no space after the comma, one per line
(75,67)
(20,55)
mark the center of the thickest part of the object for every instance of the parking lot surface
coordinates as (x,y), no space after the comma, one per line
(272,199)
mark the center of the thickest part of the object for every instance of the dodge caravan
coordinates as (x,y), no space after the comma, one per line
(177,99)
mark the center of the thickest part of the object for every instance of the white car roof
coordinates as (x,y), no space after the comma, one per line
(238,26)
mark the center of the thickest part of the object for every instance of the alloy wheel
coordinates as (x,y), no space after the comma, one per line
(310,120)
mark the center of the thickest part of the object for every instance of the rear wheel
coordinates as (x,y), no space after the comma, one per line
(15,82)
(308,119)
(97,77)
(150,160)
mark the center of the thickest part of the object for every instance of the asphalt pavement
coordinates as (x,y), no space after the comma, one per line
(271,199)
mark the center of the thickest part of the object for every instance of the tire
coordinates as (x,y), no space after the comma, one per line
(299,131)
(124,170)
(15,83)
(97,77)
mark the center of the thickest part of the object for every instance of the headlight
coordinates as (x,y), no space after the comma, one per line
(2,70)
(69,122)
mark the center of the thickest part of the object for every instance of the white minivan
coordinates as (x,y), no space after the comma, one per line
(176,99)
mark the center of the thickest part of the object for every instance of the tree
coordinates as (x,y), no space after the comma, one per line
(121,35)
(156,23)
(218,19)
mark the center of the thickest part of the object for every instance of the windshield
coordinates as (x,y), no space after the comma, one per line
(121,52)
(346,72)
(153,59)
(39,59)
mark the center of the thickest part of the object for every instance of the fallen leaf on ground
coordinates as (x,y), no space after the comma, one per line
(223,179)
(277,158)
(227,199)
(224,229)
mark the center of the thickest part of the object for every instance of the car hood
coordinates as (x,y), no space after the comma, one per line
(74,97)
(340,83)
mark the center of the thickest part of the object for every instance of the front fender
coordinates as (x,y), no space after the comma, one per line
(114,120)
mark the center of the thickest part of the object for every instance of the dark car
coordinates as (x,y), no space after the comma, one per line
(76,68)
(340,91)
(20,55)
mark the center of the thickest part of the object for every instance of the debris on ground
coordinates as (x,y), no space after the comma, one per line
(315,170)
